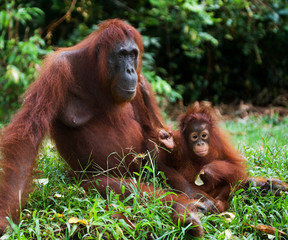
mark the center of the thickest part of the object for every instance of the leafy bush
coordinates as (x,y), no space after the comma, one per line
(222,49)
(20,53)
(218,50)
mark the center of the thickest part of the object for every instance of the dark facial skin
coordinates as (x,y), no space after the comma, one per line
(122,79)
(122,65)
(199,139)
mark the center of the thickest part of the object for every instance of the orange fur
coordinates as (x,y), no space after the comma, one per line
(62,75)
(223,167)
(74,84)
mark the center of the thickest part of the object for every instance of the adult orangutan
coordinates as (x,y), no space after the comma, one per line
(92,101)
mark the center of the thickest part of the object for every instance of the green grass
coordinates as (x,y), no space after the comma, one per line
(263,142)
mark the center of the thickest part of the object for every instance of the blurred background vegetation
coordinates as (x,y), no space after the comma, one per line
(223,51)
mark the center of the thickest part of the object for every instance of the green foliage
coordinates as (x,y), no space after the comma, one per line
(221,49)
(171,21)
(187,18)
(20,53)
(164,89)
(245,60)
(217,50)
(181,25)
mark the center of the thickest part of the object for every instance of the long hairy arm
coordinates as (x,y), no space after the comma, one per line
(20,140)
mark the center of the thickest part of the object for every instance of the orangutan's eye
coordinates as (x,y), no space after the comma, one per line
(205,135)
(194,136)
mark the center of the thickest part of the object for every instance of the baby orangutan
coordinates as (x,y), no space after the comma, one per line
(203,164)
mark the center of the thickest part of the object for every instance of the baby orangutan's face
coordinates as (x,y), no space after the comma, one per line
(199,138)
